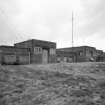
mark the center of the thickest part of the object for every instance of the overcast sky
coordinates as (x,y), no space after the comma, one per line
(51,20)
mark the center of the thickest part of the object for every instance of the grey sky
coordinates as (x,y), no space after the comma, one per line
(51,20)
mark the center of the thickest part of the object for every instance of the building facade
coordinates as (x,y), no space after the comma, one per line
(28,52)
(40,51)
(82,53)
(43,52)
(65,56)
(13,55)
(100,56)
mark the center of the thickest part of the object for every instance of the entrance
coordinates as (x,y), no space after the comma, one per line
(45,57)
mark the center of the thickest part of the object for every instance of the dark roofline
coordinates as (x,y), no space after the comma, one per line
(58,51)
(36,40)
(5,46)
(76,47)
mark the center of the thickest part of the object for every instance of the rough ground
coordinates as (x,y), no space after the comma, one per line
(53,84)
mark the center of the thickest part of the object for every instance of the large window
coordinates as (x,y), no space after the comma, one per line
(52,51)
(37,50)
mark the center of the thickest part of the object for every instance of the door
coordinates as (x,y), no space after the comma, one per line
(45,57)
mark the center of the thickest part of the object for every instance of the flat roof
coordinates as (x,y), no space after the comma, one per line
(37,42)
(6,46)
(76,47)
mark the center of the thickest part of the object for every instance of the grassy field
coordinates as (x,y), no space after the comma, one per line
(53,84)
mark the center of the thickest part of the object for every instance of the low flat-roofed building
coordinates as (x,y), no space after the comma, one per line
(82,53)
(13,55)
(40,51)
(100,56)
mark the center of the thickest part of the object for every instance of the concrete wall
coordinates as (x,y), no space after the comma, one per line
(52,58)
(25,44)
(36,59)
(23,59)
(65,56)
(40,57)
(82,53)
(8,59)
(12,55)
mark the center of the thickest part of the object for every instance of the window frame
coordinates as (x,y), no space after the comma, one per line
(37,50)
(52,51)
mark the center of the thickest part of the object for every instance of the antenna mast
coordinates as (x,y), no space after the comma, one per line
(72,29)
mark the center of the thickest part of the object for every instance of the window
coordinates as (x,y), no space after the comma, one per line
(91,52)
(52,51)
(58,59)
(37,50)
(80,53)
(65,59)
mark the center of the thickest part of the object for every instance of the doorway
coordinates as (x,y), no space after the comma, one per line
(45,57)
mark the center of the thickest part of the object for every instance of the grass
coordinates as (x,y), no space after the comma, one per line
(53,84)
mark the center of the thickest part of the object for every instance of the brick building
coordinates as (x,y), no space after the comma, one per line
(40,51)
(28,52)
(13,55)
(65,56)
(82,53)
(100,56)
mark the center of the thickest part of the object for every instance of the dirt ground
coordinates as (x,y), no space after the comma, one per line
(53,84)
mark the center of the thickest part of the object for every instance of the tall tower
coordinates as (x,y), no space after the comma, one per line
(73,35)
(72,29)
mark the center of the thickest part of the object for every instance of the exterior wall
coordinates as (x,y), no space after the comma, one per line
(52,59)
(100,56)
(12,55)
(39,57)
(43,44)
(65,59)
(82,59)
(48,46)
(65,56)
(35,43)
(9,59)
(45,56)
(100,52)
(36,55)
(32,51)
(83,53)
(25,44)
(0,56)
(77,53)
(91,52)
(23,59)
(36,59)
(52,55)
